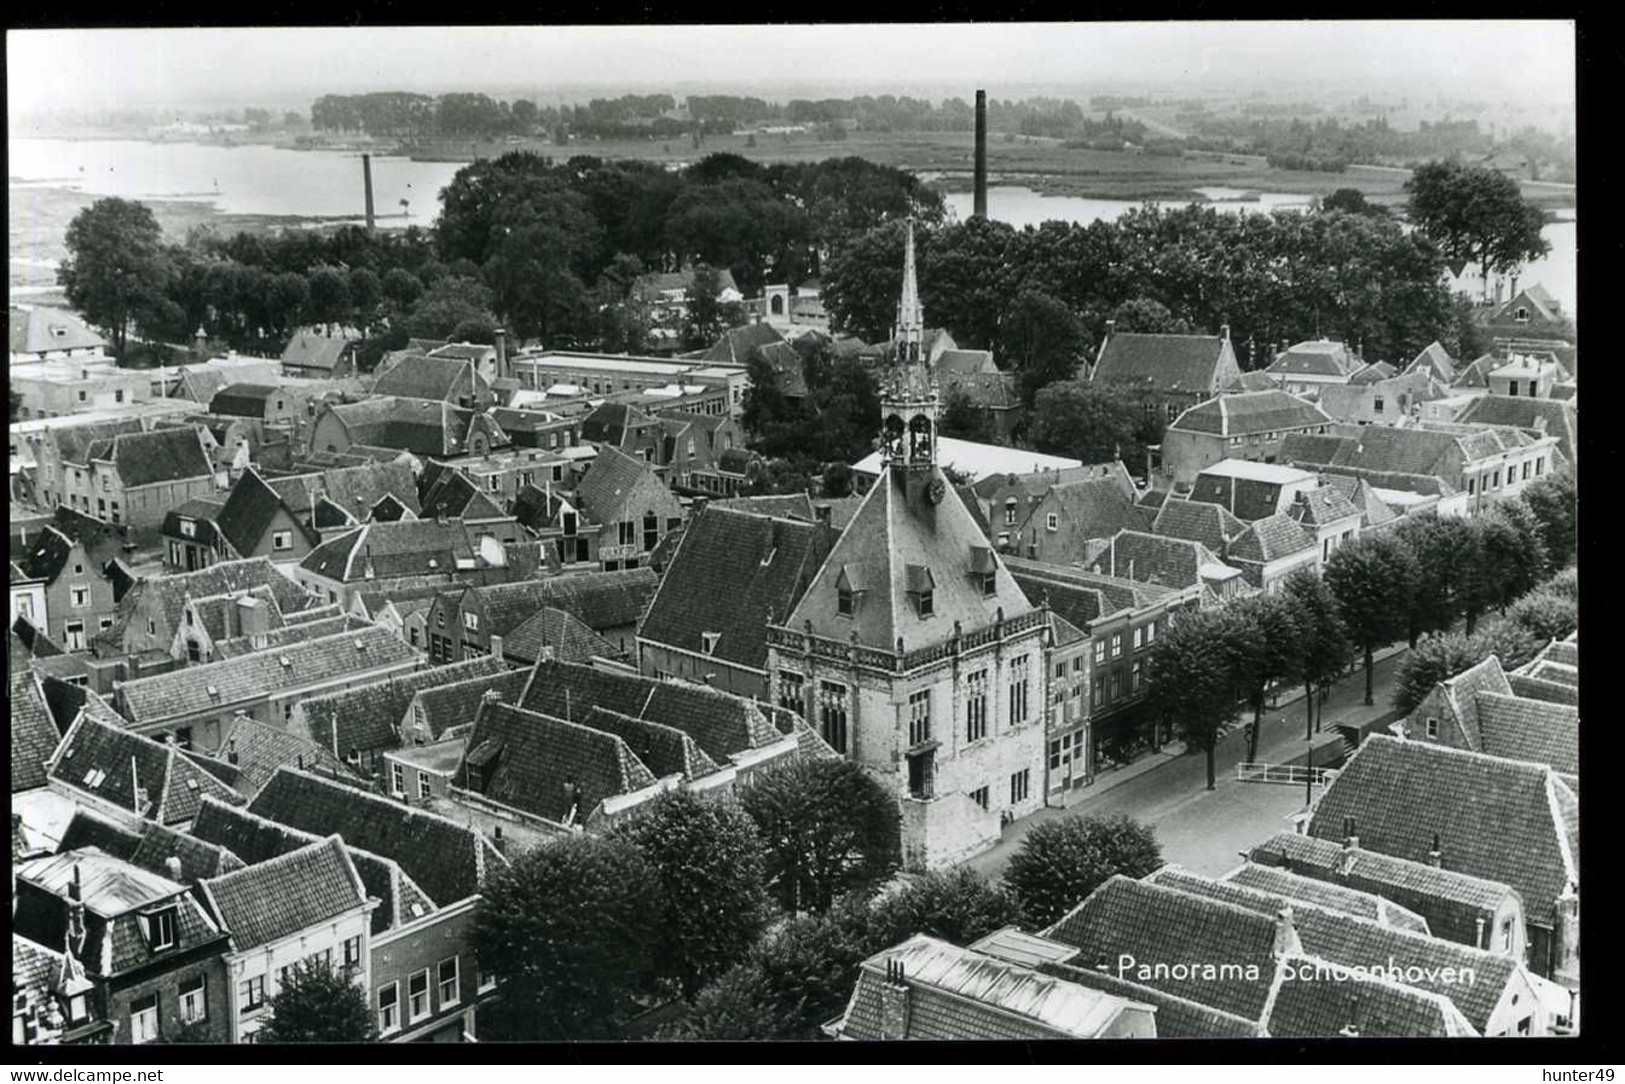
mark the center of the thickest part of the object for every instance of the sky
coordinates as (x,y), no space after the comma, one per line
(289,67)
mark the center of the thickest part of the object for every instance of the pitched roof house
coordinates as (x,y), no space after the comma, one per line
(130,777)
(439,379)
(1196,366)
(310,354)
(1243,425)
(1068,515)
(1479,711)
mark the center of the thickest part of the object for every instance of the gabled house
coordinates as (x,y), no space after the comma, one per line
(733,574)
(1329,515)
(1069,515)
(136,950)
(315,355)
(39,333)
(212,620)
(137,477)
(426,428)
(192,538)
(1176,563)
(926,988)
(1478,710)
(552,633)
(78,597)
(364,557)
(1004,499)
(34,735)
(256,522)
(151,612)
(450,380)
(628,499)
(1435,362)
(1392,401)
(1548,417)
(1458,809)
(1308,367)
(1272,549)
(446,492)
(1532,313)
(1170,372)
(305,907)
(1208,522)
(128,777)
(1247,425)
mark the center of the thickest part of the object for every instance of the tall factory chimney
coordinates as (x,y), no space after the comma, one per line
(366,176)
(979,209)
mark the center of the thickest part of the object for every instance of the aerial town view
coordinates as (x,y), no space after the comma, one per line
(522,540)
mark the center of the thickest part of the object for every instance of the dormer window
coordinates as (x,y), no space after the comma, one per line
(922,589)
(709,641)
(159,929)
(984,569)
(1522,315)
(847,588)
(843,601)
(188,528)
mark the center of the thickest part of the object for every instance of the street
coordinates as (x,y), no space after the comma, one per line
(1204,830)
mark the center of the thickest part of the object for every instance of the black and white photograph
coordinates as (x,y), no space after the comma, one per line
(797,534)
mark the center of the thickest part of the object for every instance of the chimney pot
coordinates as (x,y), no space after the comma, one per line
(173,865)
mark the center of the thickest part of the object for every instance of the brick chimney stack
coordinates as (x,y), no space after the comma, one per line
(979,205)
(894,1007)
(366,178)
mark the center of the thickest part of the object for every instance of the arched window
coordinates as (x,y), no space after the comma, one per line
(777,304)
(919,428)
(894,436)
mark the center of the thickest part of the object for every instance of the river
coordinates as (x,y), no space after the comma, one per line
(275,181)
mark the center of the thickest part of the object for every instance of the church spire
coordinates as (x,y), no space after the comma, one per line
(910,330)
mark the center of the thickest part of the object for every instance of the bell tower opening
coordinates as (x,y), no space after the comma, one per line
(908,399)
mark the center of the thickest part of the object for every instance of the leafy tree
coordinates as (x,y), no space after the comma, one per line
(481,329)
(1374,579)
(570,930)
(838,480)
(1043,341)
(1325,647)
(829,828)
(1553,501)
(962,419)
(1545,615)
(1435,659)
(318,1004)
(1476,215)
(1352,201)
(708,857)
(765,407)
(329,300)
(535,288)
(401,287)
(1508,641)
(1190,684)
(1147,316)
(1447,553)
(1092,422)
(1566,584)
(116,269)
(957,905)
(1061,862)
(446,304)
(765,477)
(708,316)
(286,300)
(1512,555)
(1266,645)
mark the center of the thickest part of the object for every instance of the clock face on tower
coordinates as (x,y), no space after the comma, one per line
(936,491)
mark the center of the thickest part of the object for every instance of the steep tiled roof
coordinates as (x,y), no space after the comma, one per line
(1153,923)
(1373,512)
(420,377)
(723,725)
(1561,417)
(435,711)
(258,840)
(1177,1017)
(985,391)
(602,600)
(47,555)
(565,634)
(159,455)
(403,548)
(1533,730)
(1342,939)
(1378,448)
(221,578)
(259,750)
(1198,521)
(1313,358)
(736,344)
(1374,1007)
(420,426)
(1168,362)
(786,363)
(354,489)
(448,860)
(951,363)
(960,994)
(896,529)
(366,717)
(312,351)
(86,829)
(1404,794)
(530,761)
(97,758)
(1149,558)
(39,330)
(604,491)
(285,895)
(733,575)
(312,663)
(1271,539)
(1321,507)
(242,400)
(249,511)
(198,857)
(293,632)
(1095,508)
(1245,413)
(33,733)
(1374,373)
(1332,897)
(663,750)
(453,494)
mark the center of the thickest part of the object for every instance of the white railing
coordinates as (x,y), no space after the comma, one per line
(1248,772)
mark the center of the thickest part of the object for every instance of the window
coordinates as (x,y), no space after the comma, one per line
(282,540)
(1134,677)
(320,959)
(1521,315)
(417,996)
(979,796)
(1052,522)
(143,1015)
(843,601)
(1117,684)
(194,999)
(1117,644)
(1526,470)
(919,717)
(1100,650)
(252,994)
(81,597)
(1010,512)
(1018,691)
(1019,786)
(1540,466)
(78,1009)
(495,482)
(1376,405)
(397,779)
(160,929)
(352,952)
(471,621)
(1472,486)
(990,585)
(1506,935)
(425,787)
(976,706)
(925,603)
(188,528)
(1433,727)
(832,713)
(1139,638)
(74,631)
(389,1008)
(118,395)
(627,532)
(790,691)
(447,975)
(651,530)
(1497,482)
(1100,689)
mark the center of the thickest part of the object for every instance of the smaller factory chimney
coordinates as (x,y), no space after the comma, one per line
(979,208)
(366,175)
